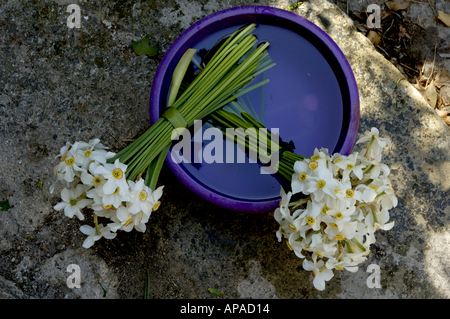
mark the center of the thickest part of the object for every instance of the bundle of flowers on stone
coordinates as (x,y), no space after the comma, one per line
(113,185)
(334,203)
(345,200)
(90,182)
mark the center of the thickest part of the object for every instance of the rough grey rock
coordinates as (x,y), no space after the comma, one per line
(59,84)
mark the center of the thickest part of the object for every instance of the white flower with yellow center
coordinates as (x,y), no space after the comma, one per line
(320,272)
(321,157)
(339,230)
(128,221)
(102,210)
(323,184)
(93,151)
(322,247)
(342,212)
(94,235)
(348,262)
(73,201)
(369,192)
(140,198)
(349,165)
(68,168)
(156,196)
(311,216)
(116,178)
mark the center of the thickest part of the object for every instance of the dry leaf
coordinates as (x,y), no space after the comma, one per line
(444,17)
(431,94)
(442,80)
(396,5)
(441,113)
(374,37)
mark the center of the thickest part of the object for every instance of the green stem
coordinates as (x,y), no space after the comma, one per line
(97,232)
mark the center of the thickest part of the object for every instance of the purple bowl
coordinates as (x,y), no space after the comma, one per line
(312,97)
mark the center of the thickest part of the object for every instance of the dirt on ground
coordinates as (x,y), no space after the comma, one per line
(417,52)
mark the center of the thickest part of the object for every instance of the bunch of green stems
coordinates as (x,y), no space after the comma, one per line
(256,139)
(226,76)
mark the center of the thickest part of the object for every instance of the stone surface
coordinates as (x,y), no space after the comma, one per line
(59,84)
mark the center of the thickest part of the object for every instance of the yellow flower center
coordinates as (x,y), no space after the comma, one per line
(339,215)
(156,206)
(302,176)
(117,173)
(319,254)
(321,184)
(349,193)
(143,196)
(310,220)
(315,157)
(97,180)
(292,227)
(350,166)
(63,158)
(337,160)
(116,191)
(73,202)
(373,187)
(339,268)
(333,225)
(87,153)
(324,209)
(336,190)
(107,206)
(70,161)
(339,237)
(313,165)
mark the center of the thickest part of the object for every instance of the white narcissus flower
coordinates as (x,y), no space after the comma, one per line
(323,184)
(73,202)
(321,157)
(311,215)
(387,197)
(93,235)
(348,165)
(68,169)
(320,272)
(140,198)
(156,196)
(373,167)
(375,143)
(90,152)
(303,171)
(116,178)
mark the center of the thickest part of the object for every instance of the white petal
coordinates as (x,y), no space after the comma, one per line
(87,230)
(60,206)
(109,187)
(88,242)
(319,283)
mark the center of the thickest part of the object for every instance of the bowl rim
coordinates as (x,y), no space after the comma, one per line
(154,105)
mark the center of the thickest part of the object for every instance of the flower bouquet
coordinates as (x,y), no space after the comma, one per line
(121,186)
(333,204)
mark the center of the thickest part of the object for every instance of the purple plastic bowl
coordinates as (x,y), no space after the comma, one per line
(314,94)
